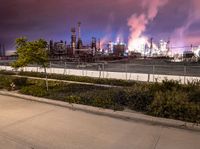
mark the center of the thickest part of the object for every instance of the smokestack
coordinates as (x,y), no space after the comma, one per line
(80,43)
(79,30)
(94,45)
(73,40)
(168,46)
(151,46)
(99,46)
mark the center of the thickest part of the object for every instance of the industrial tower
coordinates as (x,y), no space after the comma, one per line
(79,43)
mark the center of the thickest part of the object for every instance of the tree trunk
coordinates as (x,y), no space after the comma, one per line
(46,79)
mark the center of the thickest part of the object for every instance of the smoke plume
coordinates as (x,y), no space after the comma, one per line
(179,36)
(138,22)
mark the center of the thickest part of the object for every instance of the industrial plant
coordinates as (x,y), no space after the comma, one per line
(76,50)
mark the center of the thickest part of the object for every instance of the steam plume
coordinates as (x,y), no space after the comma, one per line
(138,23)
(179,35)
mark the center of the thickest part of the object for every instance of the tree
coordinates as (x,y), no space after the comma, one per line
(31,52)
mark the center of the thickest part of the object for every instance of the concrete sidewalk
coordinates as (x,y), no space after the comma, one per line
(26,124)
(129,116)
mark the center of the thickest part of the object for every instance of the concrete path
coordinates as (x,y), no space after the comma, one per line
(33,125)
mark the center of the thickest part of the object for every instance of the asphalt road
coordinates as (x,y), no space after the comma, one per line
(32,125)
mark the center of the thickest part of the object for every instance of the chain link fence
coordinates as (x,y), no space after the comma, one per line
(123,70)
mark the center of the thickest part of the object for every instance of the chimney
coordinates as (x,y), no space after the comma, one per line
(80,43)
(79,30)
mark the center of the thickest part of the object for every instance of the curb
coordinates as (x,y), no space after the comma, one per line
(128,116)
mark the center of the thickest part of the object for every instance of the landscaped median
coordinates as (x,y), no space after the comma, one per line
(168,99)
(115,82)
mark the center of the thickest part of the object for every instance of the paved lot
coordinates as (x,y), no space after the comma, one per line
(26,124)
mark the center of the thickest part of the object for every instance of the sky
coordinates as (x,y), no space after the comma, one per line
(177,20)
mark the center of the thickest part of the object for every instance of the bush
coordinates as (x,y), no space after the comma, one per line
(168,99)
(194,96)
(80,79)
(174,104)
(139,98)
(5,72)
(73,99)
(102,98)
(5,82)
(19,82)
(166,85)
(34,90)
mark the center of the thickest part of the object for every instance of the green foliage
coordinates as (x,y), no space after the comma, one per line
(5,72)
(166,85)
(81,79)
(34,52)
(20,81)
(104,98)
(139,98)
(167,99)
(31,53)
(174,104)
(5,82)
(34,90)
(195,95)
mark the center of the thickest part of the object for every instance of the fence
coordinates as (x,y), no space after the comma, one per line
(125,71)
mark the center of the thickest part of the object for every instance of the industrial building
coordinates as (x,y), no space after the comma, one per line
(116,48)
(75,50)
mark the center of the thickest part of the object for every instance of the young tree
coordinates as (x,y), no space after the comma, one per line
(31,52)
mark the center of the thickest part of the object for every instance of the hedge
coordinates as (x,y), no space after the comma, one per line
(80,79)
(168,99)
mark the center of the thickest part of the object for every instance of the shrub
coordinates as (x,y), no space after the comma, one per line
(5,72)
(168,99)
(34,90)
(195,96)
(103,98)
(174,104)
(73,99)
(139,98)
(5,82)
(166,85)
(80,79)
(19,82)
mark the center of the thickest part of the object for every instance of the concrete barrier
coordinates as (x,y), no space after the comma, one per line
(109,75)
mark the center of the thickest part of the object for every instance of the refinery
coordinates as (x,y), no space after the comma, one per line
(96,50)
(99,50)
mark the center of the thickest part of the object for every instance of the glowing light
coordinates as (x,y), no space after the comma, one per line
(137,45)
(197,52)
